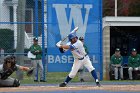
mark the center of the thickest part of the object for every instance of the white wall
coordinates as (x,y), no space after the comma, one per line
(4,15)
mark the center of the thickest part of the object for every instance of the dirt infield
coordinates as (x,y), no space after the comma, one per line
(129,88)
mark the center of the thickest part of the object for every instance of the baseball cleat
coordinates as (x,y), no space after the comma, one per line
(62,84)
(42,81)
(82,80)
(35,80)
(98,84)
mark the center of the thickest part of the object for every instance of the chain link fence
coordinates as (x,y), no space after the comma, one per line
(9,26)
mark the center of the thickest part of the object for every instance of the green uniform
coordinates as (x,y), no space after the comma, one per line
(33,50)
(37,62)
(134,64)
(116,60)
(134,61)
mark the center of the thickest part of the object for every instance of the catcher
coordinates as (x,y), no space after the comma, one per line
(7,68)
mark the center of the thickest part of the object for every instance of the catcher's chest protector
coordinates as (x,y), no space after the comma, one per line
(8,72)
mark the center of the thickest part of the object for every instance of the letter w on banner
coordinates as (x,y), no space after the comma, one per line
(65,15)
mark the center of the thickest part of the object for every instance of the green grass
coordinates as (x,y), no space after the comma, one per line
(51,78)
(58,77)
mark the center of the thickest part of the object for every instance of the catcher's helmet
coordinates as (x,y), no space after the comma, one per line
(9,58)
(71,36)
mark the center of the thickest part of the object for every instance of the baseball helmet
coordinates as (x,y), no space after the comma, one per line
(9,58)
(71,36)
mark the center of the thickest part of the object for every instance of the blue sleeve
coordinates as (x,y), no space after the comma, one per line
(71,46)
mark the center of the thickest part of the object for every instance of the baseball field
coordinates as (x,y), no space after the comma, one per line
(53,80)
(86,87)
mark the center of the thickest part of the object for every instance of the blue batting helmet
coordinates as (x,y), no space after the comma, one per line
(71,36)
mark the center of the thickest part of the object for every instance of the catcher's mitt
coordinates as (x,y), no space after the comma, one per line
(30,72)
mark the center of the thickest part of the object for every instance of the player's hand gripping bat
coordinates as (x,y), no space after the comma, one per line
(58,44)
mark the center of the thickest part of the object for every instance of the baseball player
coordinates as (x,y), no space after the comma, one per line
(116,64)
(37,62)
(6,69)
(80,58)
(133,63)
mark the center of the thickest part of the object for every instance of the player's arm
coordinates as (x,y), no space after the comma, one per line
(32,50)
(112,59)
(39,50)
(59,45)
(23,68)
(65,46)
(27,69)
(62,50)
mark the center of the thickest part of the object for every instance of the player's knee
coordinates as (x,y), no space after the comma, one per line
(16,83)
(116,69)
(72,75)
(130,69)
(91,69)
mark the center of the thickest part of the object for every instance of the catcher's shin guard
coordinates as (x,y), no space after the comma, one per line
(16,83)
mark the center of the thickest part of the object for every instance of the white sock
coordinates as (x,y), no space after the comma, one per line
(96,80)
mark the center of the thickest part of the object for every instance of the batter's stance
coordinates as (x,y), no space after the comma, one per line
(80,58)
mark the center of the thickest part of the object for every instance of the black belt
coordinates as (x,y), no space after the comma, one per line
(82,57)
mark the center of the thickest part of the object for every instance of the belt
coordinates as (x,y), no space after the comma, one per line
(82,57)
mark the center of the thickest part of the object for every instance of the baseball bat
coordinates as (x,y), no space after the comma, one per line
(73,31)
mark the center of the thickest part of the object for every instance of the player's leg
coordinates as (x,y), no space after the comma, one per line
(116,73)
(35,65)
(10,82)
(121,72)
(91,69)
(41,71)
(130,69)
(75,68)
(81,73)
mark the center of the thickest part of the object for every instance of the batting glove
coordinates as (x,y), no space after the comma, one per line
(58,44)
